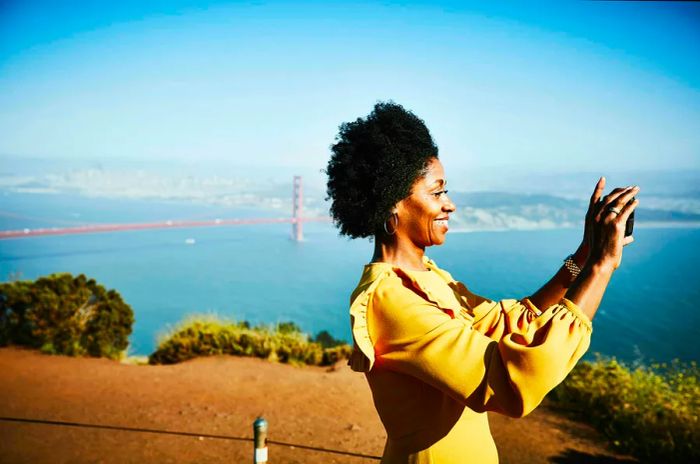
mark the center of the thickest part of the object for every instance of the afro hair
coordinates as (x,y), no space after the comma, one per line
(374,163)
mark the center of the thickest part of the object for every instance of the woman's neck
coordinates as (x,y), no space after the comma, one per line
(397,253)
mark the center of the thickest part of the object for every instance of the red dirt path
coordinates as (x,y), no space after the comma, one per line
(223,395)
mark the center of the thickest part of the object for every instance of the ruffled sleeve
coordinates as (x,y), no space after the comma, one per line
(362,356)
(496,319)
(411,335)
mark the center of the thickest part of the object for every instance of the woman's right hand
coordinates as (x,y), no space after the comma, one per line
(608,227)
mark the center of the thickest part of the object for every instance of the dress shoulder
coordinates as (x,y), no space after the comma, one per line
(391,284)
(362,356)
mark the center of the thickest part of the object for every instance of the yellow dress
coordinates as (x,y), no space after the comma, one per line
(437,357)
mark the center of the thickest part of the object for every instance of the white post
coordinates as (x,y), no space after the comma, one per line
(260,440)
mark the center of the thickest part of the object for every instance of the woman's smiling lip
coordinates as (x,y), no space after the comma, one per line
(443,221)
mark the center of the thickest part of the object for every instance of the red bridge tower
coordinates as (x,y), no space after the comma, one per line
(297,230)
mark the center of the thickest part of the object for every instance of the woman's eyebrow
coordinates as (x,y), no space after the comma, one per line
(438,183)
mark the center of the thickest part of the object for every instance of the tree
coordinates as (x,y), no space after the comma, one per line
(63,314)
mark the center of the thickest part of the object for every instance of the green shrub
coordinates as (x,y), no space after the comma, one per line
(335,354)
(62,314)
(326,340)
(287,327)
(207,335)
(648,411)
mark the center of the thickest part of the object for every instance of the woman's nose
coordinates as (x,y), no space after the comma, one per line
(448,206)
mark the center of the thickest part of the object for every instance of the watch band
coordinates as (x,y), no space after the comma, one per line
(572,267)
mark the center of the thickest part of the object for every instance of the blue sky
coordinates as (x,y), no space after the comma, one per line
(510,88)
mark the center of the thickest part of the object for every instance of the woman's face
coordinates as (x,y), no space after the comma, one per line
(423,215)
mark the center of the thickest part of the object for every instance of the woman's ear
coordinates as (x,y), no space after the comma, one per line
(398,207)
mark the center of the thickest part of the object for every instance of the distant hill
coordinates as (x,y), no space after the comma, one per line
(501,210)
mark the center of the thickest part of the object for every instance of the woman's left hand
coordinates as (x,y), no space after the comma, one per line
(581,254)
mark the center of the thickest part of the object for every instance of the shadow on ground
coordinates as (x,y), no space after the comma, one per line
(571,456)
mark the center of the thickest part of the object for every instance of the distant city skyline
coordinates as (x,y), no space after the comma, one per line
(505,89)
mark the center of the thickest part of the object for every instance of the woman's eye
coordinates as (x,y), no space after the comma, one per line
(441,192)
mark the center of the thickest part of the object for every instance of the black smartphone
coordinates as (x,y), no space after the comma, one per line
(629,225)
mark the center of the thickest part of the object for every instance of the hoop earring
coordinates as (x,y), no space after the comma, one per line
(396,225)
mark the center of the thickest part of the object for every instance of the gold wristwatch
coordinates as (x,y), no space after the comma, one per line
(572,267)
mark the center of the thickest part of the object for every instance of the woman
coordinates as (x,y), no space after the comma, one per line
(435,355)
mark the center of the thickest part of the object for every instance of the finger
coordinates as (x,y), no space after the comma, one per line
(627,210)
(612,196)
(627,240)
(598,191)
(624,198)
(608,200)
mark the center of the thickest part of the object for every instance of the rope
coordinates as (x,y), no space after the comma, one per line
(184,434)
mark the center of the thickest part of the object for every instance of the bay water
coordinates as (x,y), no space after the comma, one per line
(257,273)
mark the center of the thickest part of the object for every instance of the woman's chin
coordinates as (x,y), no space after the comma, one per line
(438,239)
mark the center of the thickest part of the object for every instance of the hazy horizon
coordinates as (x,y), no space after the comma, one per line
(566,183)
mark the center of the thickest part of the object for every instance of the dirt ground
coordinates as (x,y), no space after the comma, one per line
(304,406)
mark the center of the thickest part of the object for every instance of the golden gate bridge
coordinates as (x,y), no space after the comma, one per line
(297,220)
